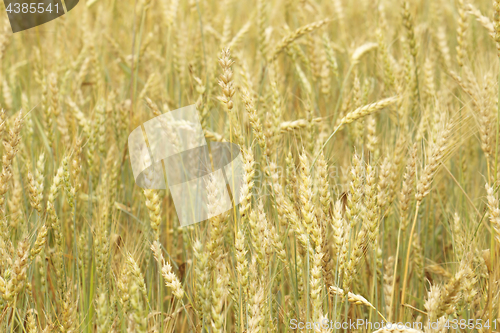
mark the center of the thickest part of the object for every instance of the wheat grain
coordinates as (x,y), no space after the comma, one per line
(295,35)
(367,110)
(171,279)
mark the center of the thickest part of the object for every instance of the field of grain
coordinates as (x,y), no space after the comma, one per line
(369,132)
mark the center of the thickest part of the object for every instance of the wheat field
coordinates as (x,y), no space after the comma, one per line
(369,132)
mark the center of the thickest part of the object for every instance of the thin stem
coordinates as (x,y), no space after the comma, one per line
(488,166)
(337,106)
(13,315)
(324,145)
(381,315)
(403,293)
(395,270)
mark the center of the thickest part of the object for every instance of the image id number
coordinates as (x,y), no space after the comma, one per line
(31,8)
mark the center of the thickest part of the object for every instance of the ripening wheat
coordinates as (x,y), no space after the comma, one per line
(369,133)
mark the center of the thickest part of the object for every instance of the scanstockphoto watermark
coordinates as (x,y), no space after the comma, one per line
(358,324)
